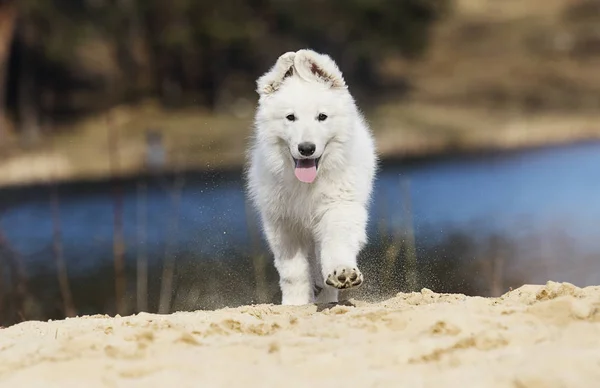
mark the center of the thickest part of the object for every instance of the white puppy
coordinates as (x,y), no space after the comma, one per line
(310,175)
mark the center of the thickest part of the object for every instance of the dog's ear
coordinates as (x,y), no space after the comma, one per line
(319,67)
(270,81)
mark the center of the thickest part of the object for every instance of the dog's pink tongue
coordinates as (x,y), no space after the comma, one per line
(306,170)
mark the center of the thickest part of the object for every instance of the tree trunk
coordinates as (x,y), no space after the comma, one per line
(125,41)
(27,103)
(8,17)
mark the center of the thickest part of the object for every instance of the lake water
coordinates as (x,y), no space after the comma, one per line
(546,201)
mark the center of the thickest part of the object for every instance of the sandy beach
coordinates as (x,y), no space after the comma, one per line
(534,336)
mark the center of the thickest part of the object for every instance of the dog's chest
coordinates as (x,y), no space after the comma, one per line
(300,203)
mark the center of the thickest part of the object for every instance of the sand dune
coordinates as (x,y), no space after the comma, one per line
(535,336)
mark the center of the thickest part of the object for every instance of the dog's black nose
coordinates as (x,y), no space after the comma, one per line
(306,148)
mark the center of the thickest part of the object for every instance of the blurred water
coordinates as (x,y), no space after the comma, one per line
(542,193)
(508,194)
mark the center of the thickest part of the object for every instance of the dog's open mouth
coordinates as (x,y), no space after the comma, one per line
(306,169)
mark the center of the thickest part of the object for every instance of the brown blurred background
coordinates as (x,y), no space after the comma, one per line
(123,125)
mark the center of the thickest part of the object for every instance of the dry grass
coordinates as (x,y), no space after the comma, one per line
(199,140)
(418,129)
(531,54)
(192,138)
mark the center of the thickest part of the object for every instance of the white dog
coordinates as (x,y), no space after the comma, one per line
(310,175)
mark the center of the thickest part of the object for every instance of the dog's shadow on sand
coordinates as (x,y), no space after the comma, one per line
(326,306)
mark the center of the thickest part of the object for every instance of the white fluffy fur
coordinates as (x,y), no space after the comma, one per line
(318,228)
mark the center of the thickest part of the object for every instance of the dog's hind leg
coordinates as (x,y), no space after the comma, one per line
(291,261)
(323,294)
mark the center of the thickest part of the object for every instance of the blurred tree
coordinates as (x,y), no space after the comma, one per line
(94,53)
(28,106)
(203,44)
(8,17)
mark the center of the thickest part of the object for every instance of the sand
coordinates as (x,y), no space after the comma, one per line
(535,336)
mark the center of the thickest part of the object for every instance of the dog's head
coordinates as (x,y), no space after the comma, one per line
(305,111)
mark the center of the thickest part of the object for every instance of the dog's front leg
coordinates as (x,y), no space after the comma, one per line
(341,236)
(291,261)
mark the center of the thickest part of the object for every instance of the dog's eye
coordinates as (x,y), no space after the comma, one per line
(322,117)
(291,117)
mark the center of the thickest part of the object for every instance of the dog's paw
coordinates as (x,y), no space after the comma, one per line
(344,278)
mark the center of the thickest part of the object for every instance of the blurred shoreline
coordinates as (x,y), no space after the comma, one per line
(115,145)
